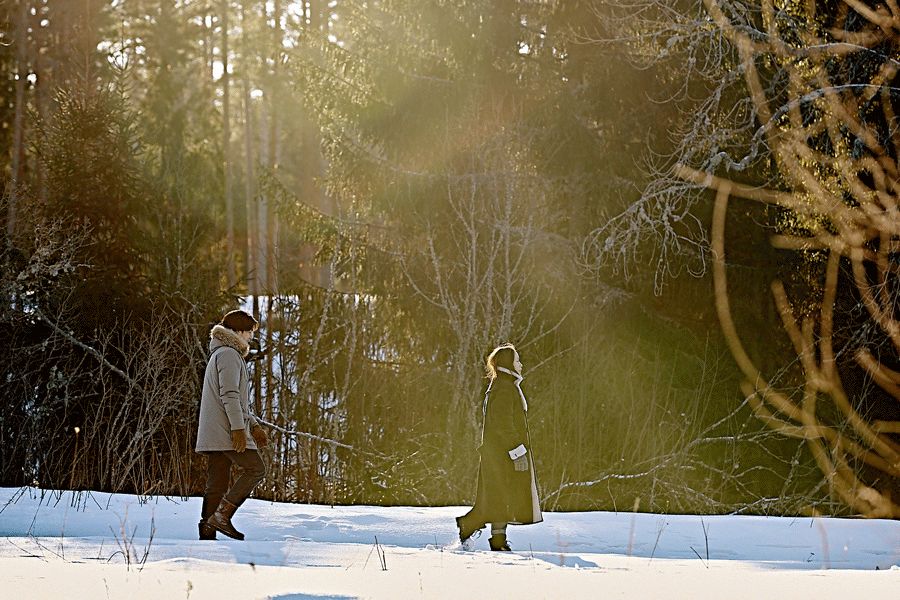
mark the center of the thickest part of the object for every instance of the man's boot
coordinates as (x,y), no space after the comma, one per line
(210,503)
(207,531)
(498,542)
(221,520)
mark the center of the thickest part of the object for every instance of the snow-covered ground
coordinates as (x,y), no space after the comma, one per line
(80,546)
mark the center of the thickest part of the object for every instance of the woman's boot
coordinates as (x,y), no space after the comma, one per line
(465,530)
(221,520)
(498,542)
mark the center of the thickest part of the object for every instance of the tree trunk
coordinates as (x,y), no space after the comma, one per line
(248,156)
(226,148)
(249,198)
(18,142)
(271,220)
(313,166)
(43,93)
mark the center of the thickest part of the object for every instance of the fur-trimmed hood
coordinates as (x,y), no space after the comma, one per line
(222,336)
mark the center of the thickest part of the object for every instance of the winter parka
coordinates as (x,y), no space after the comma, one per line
(504,494)
(225,401)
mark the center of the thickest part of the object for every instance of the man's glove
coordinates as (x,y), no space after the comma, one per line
(239,440)
(521,463)
(260,436)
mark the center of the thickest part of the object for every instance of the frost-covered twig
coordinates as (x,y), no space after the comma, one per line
(310,436)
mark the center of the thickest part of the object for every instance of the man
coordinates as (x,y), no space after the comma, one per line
(225,419)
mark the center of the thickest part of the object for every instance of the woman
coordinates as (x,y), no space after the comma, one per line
(507,488)
(224,421)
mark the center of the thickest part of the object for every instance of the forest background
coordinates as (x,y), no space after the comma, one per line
(394,187)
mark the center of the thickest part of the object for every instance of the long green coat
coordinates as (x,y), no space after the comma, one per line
(504,494)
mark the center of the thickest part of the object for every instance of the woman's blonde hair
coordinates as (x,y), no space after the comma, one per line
(500,358)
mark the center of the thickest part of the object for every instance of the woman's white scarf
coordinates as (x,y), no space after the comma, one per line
(517,378)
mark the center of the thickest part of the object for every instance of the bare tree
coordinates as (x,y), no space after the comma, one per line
(817,96)
(480,264)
